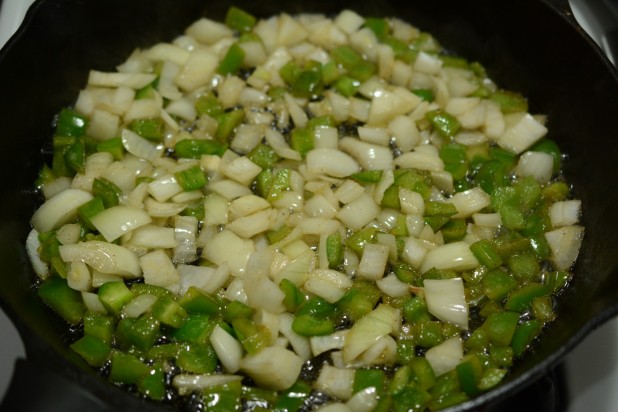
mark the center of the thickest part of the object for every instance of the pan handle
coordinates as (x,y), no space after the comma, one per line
(36,388)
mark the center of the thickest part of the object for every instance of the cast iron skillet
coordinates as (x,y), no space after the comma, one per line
(531,46)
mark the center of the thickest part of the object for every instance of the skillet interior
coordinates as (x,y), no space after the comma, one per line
(525,46)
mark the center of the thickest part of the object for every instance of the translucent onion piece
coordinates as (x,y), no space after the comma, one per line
(331,162)
(364,400)
(158,269)
(59,209)
(32,247)
(139,305)
(538,165)
(455,255)
(229,350)
(565,243)
(104,257)
(187,383)
(381,321)
(273,367)
(321,344)
(446,300)
(469,201)
(118,220)
(140,147)
(565,213)
(522,131)
(336,382)
(445,356)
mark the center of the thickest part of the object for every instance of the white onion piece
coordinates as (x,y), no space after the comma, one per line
(565,213)
(208,279)
(158,269)
(538,165)
(185,233)
(331,162)
(334,407)
(118,220)
(32,247)
(392,286)
(446,300)
(381,321)
(369,155)
(445,356)
(299,343)
(469,201)
(522,131)
(187,383)
(373,261)
(321,344)
(154,237)
(336,382)
(455,255)
(104,257)
(93,303)
(227,247)
(565,243)
(364,400)
(60,184)
(359,212)
(273,367)
(140,147)
(420,160)
(114,79)
(277,142)
(138,305)
(229,351)
(79,277)
(164,187)
(59,209)
(328,284)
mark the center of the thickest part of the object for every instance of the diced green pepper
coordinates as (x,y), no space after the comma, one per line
(89,210)
(113,146)
(524,335)
(293,398)
(67,302)
(168,311)
(126,368)
(422,372)
(236,309)
(107,191)
(487,256)
(293,296)
(71,123)
(208,104)
(263,156)
(356,241)
(520,299)
(192,178)
(497,284)
(240,20)
(100,326)
(368,176)
(151,129)
(334,250)
(195,300)
(227,122)
(194,149)
(92,349)
(307,325)
(114,295)
(197,358)
(252,336)
(510,102)
(140,332)
(232,60)
(302,140)
(501,326)
(446,124)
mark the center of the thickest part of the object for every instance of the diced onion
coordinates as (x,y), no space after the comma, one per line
(273,367)
(381,321)
(446,300)
(103,256)
(118,220)
(455,255)
(229,351)
(445,356)
(565,243)
(59,209)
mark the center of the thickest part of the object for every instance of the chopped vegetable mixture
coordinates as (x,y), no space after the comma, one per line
(303,212)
